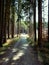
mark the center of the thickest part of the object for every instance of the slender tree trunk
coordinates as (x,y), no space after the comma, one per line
(39,23)
(35,20)
(12,28)
(4,25)
(7,16)
(8,27)
(48,20)
(19,19)
(29,22)
(0,23)
(13,20)
(8,7)
(18,28)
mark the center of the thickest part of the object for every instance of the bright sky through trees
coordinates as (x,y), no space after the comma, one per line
(45,12)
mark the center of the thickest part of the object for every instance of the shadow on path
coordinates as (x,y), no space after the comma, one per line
(20,54)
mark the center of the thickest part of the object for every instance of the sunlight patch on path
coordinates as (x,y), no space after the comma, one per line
(18,55)
(23,35)
(14,50)
(20,46)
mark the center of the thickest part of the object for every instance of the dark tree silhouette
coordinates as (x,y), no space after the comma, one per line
(39,22)
(48,20)
(8,21)
(19,17)
(35,20)
(12,18)
(1,23)
(4,23)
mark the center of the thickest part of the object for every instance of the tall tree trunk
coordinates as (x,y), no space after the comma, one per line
(19,20)
(18,28)
(29,21)
(39,23)
(35,20)
(12,21)
(48,20)
(8,29)
(0,23)
(8,22)
(5,18)
(4,25)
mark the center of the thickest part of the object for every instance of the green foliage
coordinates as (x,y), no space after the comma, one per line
(24,25)
(7,44)
(31,41)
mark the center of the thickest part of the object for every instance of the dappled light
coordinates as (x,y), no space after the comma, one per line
(2,53)
(24,32)
(14,50)
(18,55)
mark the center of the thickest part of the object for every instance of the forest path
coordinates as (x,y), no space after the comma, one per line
(20,54)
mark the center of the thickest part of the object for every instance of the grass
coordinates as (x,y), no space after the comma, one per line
(31,41)
(7,44)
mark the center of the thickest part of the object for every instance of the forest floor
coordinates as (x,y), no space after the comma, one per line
(20,53)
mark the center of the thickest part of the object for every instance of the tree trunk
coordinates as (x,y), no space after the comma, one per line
(8,27)
(0,23)
(48,20)
(13,20)
(39,23)
(4,23)
(35,20)
(19,19)
(29,22)
(7,16)
(8,12)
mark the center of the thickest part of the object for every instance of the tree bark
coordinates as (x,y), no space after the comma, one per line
(19,19)
(35,20)
(7,16)
(48,20)
(40,23)
(4,23)
(8,22)
(12,21)
(0,23)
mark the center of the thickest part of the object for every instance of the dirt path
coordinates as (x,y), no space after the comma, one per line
(20,54)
